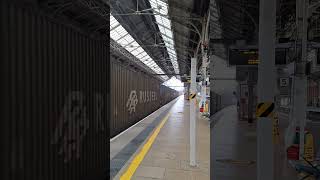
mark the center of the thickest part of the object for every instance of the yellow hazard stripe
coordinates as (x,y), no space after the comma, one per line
(192,96)
(309,147)
(276,132)
(144,150)
(265,109)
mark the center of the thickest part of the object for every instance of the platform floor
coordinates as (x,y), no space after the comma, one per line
(168,157)
(234,151)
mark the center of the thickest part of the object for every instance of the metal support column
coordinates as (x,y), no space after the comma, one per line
(193,124)
(266,87)
(187,90)
(204,44)
(204,71)
(250,94)
(299,109)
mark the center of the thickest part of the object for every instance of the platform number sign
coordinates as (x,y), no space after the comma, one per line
(284,82)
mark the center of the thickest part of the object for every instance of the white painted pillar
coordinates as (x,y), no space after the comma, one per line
(193,106)
(266,87)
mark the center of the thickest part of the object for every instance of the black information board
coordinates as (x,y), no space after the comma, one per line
(251,57)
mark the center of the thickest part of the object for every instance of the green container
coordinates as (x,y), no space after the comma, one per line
(297,136)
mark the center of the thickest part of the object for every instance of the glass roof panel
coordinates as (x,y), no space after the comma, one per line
(145,58)
(114,35)
(113,22)
(149,63)
(128,38)
(123,38)
(130,48)
(164,25)
(120,30)
(134,45)
(137,51)
(166,22)
(141,55)
(123,42)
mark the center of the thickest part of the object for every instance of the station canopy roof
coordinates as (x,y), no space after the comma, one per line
(233,21)
(121,36)
(163,34)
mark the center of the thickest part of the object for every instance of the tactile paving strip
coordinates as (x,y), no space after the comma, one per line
(124,155)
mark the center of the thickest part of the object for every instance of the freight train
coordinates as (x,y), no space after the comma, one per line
(134,95)
(59,86)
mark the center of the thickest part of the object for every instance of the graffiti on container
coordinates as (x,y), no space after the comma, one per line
(144,97)
(132,101)
(147,96)
(73,124)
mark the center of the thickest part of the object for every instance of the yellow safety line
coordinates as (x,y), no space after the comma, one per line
(140,156)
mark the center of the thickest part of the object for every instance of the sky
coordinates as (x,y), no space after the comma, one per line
(174,83)
(220,69)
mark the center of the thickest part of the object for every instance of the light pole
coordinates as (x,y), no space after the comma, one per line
(300,80)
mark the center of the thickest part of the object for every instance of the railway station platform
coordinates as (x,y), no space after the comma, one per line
(235,155)
(157,147)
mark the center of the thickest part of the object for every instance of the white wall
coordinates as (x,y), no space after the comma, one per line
(219,69)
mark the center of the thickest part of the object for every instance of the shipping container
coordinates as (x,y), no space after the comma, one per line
(55,101)
(134,95)
(57,97)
